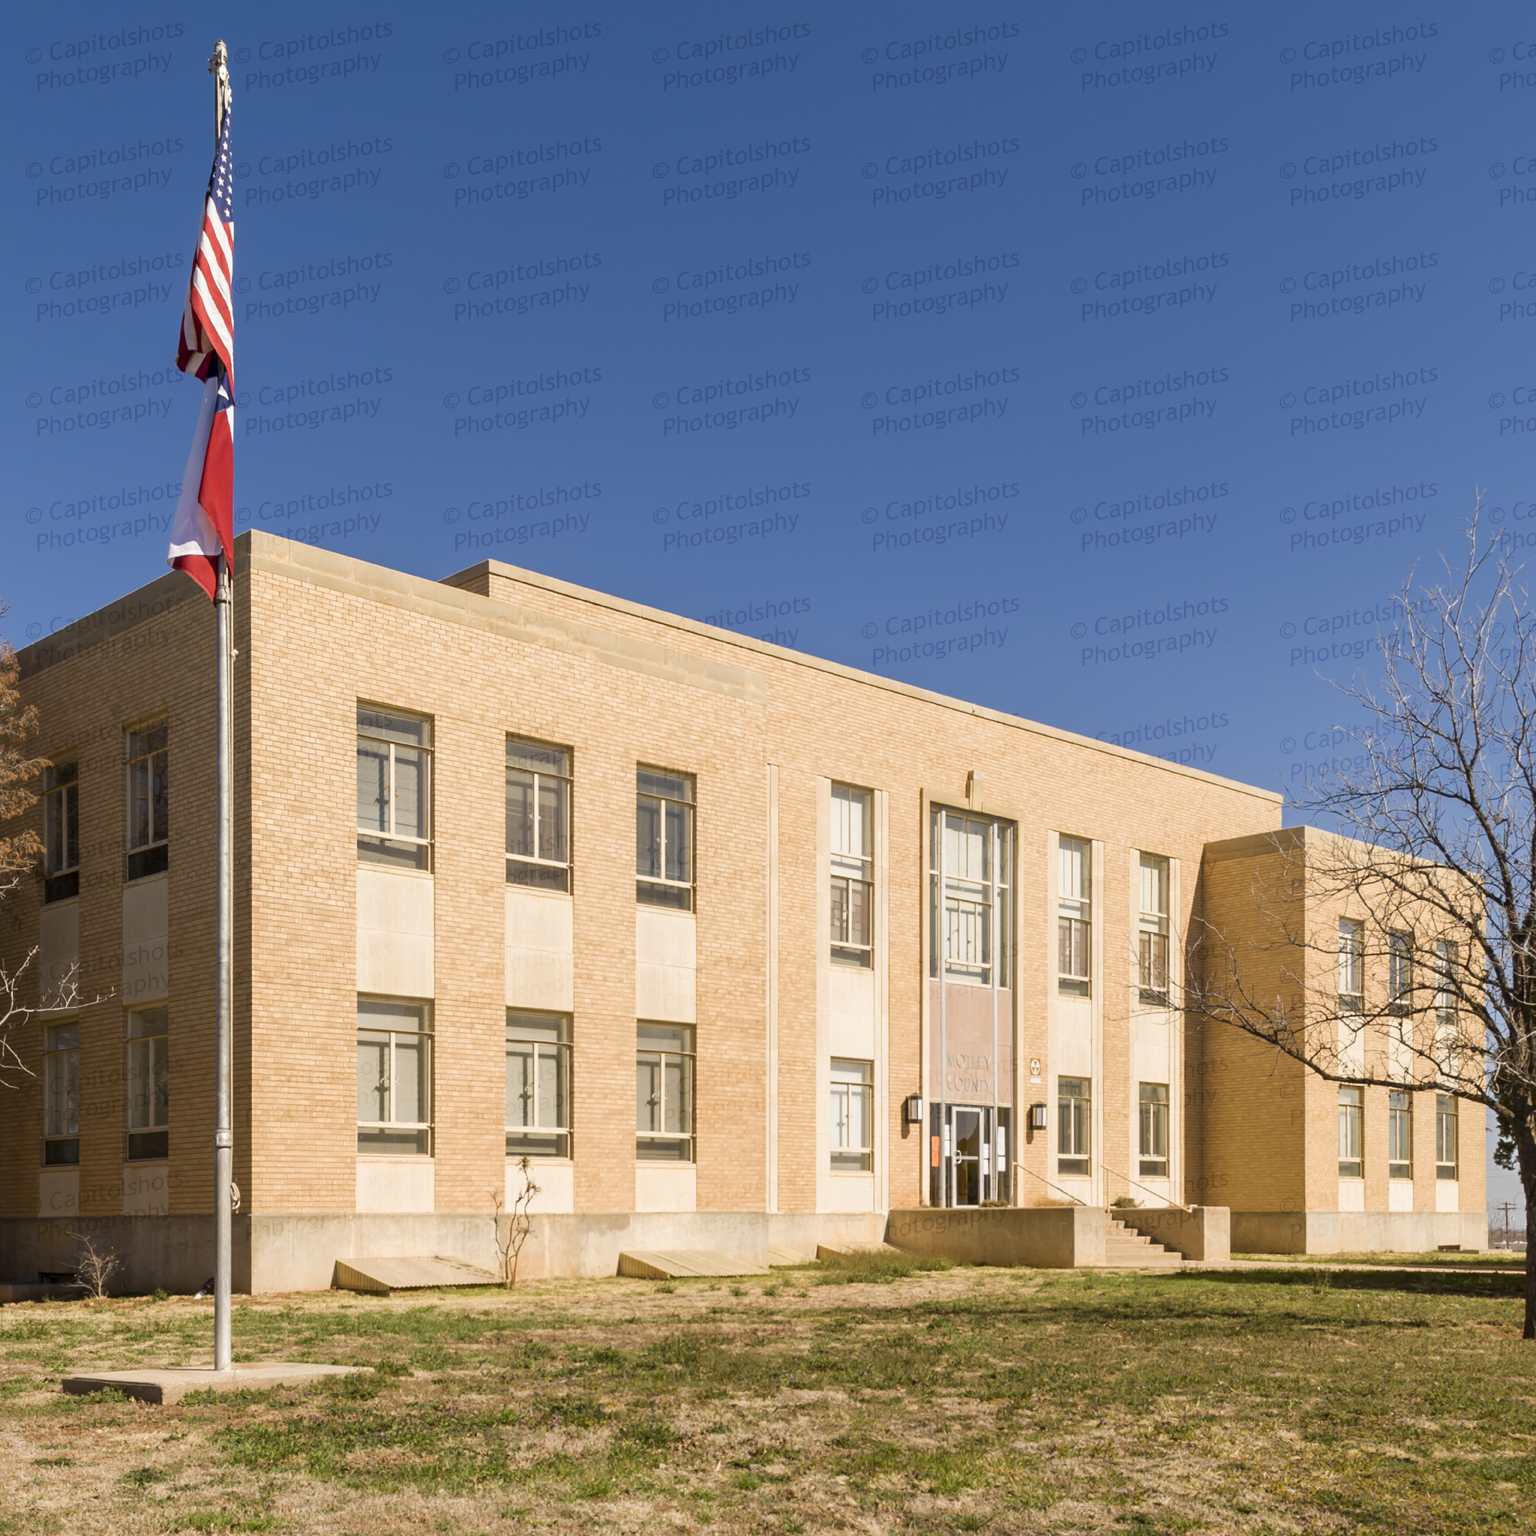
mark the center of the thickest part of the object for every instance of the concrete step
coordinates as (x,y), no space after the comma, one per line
(1126,1248)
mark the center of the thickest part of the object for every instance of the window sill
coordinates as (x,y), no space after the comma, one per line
(131,1162)
(534,890)
(852,1173)
(159,874)
(396,1157)
(540,1158)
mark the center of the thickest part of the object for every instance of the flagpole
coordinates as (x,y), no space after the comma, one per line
(223,999)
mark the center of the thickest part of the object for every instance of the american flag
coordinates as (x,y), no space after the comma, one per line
(204,524)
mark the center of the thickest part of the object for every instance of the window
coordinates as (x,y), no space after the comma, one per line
(1074,917)
(1399,973)
(1154,1130)
(538,1085)
(394,788)
(1445,984)
(853,891)
(852,1116)
(394,1077)
(1153,949)
(1399,1135)
(148,801)
(1073,1125)
(149,1074)
(664,839)
(1446,1139)
(538,815)
(1351,960)
(61,1094)
(972,858)
(1351,1132)
(61,831)
(664,1093)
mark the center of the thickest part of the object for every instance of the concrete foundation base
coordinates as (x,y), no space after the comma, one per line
(298,1252)
(1357,1231)
(171,1384)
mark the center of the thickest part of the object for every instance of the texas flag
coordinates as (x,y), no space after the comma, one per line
(203,528)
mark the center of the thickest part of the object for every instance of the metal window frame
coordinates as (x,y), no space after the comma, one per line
(992,972)
(1397,1114)
(429,1073)
(50,1054)
(691,806)
(843,1090)
(691,1134)
(844,949)
(149,756)
(65,792)
(559,1045)
(1444,1170)
(392,835)
(569,780)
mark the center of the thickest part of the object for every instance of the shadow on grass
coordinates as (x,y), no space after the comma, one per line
(1446,1282)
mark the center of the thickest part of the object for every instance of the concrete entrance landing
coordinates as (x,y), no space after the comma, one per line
(1065,1236)
(653,1264)
(378,1277)
(173,1383)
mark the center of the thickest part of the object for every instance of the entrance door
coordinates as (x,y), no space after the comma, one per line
(966,1171)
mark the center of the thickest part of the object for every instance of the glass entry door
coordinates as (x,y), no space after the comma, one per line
(970,1162)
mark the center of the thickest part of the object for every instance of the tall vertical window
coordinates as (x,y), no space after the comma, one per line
(1152,953)
(1351,1132)
(538,815)
(1399,1135)
(1399,973)
(1074,916)
(853,890)
(148,801)
(538,1085)
(853,1116)
(971,921)
(61,1094)
(61,831)
(394,1077)
(1154,1130)
(664,1093)
(1445,985)
(394,788)
(149,1083)
(1351,965)
(1446,1138)
(664,839)
(1074,1126)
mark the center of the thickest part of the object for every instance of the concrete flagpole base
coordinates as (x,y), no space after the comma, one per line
(172,1383)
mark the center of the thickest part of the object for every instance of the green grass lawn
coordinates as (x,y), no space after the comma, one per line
(878,1397)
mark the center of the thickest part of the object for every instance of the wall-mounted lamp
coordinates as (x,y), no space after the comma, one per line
(1037,1120)
(912,1109)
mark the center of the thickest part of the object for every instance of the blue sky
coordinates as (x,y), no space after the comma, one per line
(1110,365)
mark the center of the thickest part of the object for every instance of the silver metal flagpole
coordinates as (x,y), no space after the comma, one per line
(223,999)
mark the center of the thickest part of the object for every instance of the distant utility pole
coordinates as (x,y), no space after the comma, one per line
(1506,1206)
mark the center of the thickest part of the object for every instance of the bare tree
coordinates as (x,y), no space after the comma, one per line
(1435,858)
(19,849)
(513,1228)
(95,1268)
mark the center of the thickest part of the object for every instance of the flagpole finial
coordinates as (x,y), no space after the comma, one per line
(220,60)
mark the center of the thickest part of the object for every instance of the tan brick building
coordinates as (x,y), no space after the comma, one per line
(738,946)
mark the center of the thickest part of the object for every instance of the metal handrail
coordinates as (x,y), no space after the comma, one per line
(1059,1190)
(1187,1209)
